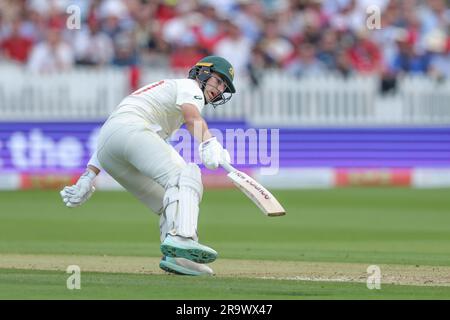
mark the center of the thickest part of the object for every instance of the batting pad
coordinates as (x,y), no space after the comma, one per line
(181,201)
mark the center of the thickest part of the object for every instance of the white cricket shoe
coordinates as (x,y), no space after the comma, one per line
(179,247)
(184,267)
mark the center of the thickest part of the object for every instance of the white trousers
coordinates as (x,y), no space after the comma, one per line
(138,158)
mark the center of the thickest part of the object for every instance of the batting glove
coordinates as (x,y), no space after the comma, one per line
(79,193)
(212,153)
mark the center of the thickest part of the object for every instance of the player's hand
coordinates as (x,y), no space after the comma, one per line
(79,193)
(212,153)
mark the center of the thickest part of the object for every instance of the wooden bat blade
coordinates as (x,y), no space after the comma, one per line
(268,204)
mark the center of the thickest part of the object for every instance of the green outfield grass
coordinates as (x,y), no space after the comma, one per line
(347,225)
(29,284)
(371,226)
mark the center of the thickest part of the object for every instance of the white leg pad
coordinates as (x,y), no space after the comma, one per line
(181,202)
(163,227)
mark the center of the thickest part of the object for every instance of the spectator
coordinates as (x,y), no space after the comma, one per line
(407,59)
(435,15)
(385,37)
(290,21)
(112,13)
(36,25)
(248,18)
(227,48)
(343,65)
(11,10)
(152,49)
(186,54)
(92,46)
(47,7)
(278,48)
(165,11)
(125,50)
(264,34)
(211,29)
(52,55)
(225,8)
(258,62)
(312,27)
(186,21)
(364,54)
(145,27)
(328,47)
(306,63)
(437,45)
(16,47)
(344,16)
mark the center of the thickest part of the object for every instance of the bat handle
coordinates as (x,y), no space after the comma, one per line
(228,167)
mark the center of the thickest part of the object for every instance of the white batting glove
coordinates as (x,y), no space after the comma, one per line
(212,153)
(79,193)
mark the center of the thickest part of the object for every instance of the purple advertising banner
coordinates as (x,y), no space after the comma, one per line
(67,146)
(61,147)
(42,146)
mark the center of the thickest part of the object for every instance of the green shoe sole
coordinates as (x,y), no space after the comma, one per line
(192,251)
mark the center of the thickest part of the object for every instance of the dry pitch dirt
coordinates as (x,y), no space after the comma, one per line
(262,269)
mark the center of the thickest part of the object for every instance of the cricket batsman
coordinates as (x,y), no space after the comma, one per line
(132,148)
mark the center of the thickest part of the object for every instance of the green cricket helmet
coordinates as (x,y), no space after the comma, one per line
(203,70)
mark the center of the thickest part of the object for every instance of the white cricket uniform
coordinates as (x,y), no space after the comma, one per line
(132,146)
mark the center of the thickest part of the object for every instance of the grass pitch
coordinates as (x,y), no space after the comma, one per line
(330,236)
(33,284)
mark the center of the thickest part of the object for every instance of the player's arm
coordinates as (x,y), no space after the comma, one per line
(79,193)
(211,151)
(195,123)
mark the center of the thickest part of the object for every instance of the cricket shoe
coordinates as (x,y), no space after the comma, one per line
(179,247)
(184,267)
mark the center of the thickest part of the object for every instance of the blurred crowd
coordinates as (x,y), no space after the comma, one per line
(302,37)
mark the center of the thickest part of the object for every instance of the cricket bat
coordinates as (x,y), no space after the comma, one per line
(265,201)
